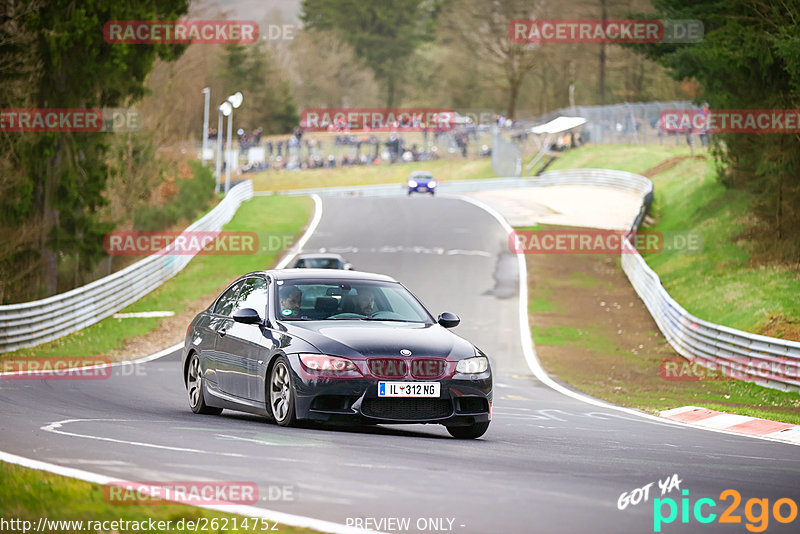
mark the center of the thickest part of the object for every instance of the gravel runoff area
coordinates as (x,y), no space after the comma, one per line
(565,205)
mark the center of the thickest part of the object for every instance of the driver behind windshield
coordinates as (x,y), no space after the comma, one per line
(290,298)
(365,301)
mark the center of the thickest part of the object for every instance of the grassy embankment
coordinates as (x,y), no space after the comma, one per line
(28,494)
(617,355)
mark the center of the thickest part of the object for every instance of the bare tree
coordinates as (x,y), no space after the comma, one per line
(482,27)
(326,73)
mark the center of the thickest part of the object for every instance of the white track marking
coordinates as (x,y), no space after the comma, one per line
(306,236)
(243,510)
(56,428)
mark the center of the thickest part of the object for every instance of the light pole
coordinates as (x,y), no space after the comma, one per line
(234,101)
(206,91)
(224,109)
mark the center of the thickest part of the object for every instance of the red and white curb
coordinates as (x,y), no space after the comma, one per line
(739,424)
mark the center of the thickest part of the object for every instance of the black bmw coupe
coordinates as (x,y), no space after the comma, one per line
(338,346)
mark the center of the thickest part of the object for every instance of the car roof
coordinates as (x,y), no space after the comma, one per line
(317,255)
(421,173)
(327,274)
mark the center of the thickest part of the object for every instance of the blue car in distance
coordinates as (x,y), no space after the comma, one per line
(421,182)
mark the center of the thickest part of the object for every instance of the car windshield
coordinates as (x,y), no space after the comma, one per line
(332,300)
(422,177)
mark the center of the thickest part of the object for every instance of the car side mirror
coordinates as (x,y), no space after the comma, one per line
(449,320)
(348,267)
(247,316)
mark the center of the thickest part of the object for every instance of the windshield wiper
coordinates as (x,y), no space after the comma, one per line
(394,320)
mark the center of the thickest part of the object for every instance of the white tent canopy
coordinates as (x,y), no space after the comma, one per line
(548,131)
(558,125)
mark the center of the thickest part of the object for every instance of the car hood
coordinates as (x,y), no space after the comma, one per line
(377,338)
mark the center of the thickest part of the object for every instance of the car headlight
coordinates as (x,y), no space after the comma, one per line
(432,183)
(324,366)
(412,183)
(473,366)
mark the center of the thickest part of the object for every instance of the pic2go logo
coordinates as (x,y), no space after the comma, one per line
(783,510)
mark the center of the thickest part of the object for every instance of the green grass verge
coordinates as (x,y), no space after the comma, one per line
(602,364)
(28,494)
(631,158)
(276,216)
(442,169)
(721,283)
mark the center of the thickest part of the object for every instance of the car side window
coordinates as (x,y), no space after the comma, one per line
(253,295)
(300,264)
(227,300)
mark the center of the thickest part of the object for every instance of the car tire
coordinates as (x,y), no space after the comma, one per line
(409,192)
(195,388)
(468,432)
(432,193)
(280,393)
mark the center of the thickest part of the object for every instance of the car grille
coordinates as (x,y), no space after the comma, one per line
(428,368)
(425,368)
(388,367)
(407,409)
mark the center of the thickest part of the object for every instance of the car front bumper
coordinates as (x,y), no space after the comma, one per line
(422,189)
(463,400)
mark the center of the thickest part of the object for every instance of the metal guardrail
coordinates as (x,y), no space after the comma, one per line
(579,177)
(32,323)
(767,361)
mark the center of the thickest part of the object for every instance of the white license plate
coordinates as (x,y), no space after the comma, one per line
(409,389)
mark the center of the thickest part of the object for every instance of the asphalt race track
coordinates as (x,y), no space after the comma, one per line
(549,463)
